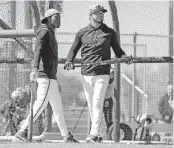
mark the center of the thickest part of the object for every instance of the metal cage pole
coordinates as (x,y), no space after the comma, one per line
(134,77)
(170,40)
(116,118)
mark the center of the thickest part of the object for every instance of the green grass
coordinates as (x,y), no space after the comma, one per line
(80,145)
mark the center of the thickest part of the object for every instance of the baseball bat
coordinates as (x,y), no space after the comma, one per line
(79,117)
(134,60)
(30,126)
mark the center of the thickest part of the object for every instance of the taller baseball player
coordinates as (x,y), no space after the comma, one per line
(95,41)
(47,91)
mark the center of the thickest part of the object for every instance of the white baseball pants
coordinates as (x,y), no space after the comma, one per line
(95,88)
(48,91)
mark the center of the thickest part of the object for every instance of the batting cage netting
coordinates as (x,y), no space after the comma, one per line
(138,94)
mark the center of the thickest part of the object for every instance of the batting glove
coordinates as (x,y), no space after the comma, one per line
(34,75)
(69,66)
(129,59)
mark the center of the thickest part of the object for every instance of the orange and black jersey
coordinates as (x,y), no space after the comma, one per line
(46,49)
(95,46)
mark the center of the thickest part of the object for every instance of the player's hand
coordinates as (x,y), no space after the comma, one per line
(166,117)
(102,63)
(34,75)
(128,58)
(69,66)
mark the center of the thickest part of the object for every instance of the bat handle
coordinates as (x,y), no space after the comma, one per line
(30,125)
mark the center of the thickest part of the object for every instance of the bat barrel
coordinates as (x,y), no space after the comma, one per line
(134,60)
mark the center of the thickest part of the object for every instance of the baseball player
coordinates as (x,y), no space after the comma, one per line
(95,41)
(47,91)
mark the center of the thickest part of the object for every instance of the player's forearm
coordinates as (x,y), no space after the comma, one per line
(73,52)
(118,51)
(36,61)
(123,56)
(74,48)
(71,56)
(115,46)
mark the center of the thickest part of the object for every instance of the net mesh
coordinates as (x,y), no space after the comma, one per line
(146,34)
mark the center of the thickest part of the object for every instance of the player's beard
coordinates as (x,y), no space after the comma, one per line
(98,21)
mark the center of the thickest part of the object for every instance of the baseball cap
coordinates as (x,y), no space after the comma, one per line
(95,8)
(49,13)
